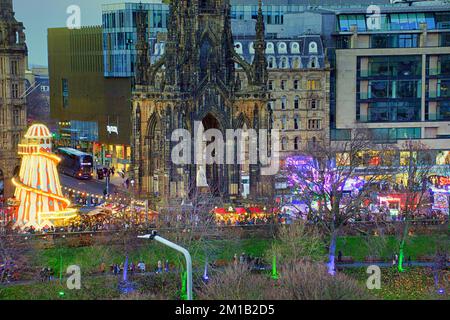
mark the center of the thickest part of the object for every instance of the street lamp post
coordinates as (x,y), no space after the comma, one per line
(187,255)
(132,182)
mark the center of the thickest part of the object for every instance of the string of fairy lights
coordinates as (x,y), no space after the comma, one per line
(102,197)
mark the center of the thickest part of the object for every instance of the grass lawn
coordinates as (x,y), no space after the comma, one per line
(416,283)
(90,258)
(386,247)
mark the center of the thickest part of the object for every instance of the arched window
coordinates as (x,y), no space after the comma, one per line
(297,63)
(295,48)
(272,63)
(284,144)
(284,63)
(313,62)
(296,122)
(251,48)
(270,48)
(282,47)
(297,143)
(313,47)
(238,48)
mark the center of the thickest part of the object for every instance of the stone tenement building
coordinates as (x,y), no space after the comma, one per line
(13,56)
(299,85)
(195,80)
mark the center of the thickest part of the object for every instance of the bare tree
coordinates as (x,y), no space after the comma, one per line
(327,183)
(415,166)
(193,220)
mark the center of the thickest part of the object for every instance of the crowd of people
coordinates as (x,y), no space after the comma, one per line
(132,268)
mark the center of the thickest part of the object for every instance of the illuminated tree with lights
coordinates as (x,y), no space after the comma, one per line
(38,188)
(331,183)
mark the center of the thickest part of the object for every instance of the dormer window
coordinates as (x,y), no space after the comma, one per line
(252,48)
(238,48)
(295,48)
(282,47)
(313,49)
(270,48)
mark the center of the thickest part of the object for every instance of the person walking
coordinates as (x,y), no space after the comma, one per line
(242,258)
(167,267)
(159,270)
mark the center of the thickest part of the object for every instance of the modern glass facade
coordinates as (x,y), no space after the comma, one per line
(438,79)
(119,34)
(390,89)
(393,21)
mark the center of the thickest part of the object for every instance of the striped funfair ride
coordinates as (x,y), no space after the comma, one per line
(38,189)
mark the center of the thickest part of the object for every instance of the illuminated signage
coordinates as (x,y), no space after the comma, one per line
(440,181)
(112,129)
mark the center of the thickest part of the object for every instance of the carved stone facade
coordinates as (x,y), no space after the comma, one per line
(13,54)
(299,86)
(195,81)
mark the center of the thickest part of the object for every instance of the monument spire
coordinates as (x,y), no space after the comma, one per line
(260,61)
(6,8)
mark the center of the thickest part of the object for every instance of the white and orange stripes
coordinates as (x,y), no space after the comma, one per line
(38,188)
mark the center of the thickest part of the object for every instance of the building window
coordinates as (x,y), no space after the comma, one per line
(408,40)
(313,62)
(297,143)
(15,140)
(15,90)
(284,123)
(314,104)
(65,93)
(283,103)
(296,122)
(284,63)
(284,144)
(296,84)
(297,63)
(314,124)
(283,84)
(5,139)
(270,85)
(14,68)
(16,117)
(272,64)
(445,40)
(296,102)
(313,85)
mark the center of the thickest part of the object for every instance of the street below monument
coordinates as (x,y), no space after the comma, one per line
(94,186)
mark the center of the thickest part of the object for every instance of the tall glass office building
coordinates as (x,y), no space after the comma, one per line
(119,34)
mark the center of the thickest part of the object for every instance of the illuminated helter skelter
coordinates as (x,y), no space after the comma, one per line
(38,188)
